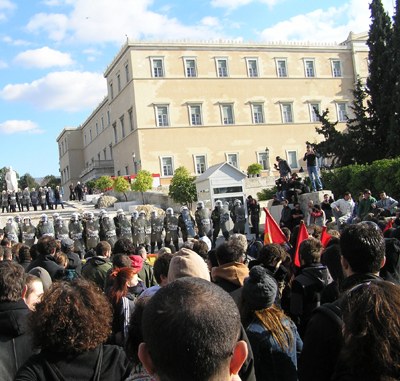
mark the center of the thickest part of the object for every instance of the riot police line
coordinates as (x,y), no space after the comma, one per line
(151,231)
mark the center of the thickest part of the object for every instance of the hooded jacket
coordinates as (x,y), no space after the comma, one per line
(230,276)
(16,346)
(306,293)
(95,269)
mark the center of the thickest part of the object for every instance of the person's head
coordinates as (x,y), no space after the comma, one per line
(278,158)
(240,240)
(123,278)
(371,330)
(229,252)
(67,245)
(187,263)
(272,255)
(121,260)
(347,196)
(382,195)
(326,197)
(285,202)
(201,248)
(310,251)
(161,267)
(8,255)
(60,322)
(46,245)
(363,249)
(174,317)
(367,193)
(33,291)
(61,259)
(12,281)
(103,249)
(124,246)
(141,250)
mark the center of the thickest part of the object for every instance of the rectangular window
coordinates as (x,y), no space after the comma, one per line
(105,153)
(262,158)
(118,173)
(252,67)
(98,156)
(314,110)
(90,135)
(309,68)
(227,114)
(200,163)
(162,116)
(122,126)
(126,170)
(97,128)
(232,159)
(195,115)
(342,111)
(84,140)
(157,67)
(111,91)
(287,112)
(336,68)
(258,113)
(190,67)
(281,68)
(292,159)
(126,73)
(108,118)
(222,67)
(130,114)
(102,123)
(111,151)
(167,167)
(119,82)
(115,133)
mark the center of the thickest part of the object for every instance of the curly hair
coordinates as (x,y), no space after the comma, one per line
(72,317)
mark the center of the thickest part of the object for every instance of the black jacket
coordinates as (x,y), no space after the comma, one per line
(323,338)
(16,346)
(48,263)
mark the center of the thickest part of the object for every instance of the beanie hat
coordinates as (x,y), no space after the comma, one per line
(137,262)
(187,263)
(44,276)
(259,289)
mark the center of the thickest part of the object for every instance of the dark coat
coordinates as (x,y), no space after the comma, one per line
(48,263)
(16,346)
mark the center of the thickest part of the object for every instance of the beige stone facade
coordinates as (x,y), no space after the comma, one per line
(197,104)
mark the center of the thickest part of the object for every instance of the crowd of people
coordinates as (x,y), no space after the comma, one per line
(88,304)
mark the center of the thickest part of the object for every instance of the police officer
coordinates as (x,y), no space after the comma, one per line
(13,202)
(171,228)
(5,202)
(45,227)
(122,225)
(92,228)
(18,221)
(61,229)
(107,227)
(238,215)
(42,198)
(143,229)
(28,232)
(19,199)
(75,228)
(34,195)
(186,223)
(134,217)
(157,226)
(26,199)
(202,216)
(11,230)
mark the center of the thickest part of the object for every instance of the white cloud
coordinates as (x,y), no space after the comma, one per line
(43,58)
(3,64)
(11,41)
(210,21)
(332,24)
(233,4)
(88,23)
(5,6)
(68,91)
(10,127)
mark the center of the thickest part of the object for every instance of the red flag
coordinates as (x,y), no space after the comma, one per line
(325,237)
(272,231)
(302,235)
(389,225)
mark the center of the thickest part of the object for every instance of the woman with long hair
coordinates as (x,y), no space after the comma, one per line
(371,333)
(69,326)
(273,336)
(126,287)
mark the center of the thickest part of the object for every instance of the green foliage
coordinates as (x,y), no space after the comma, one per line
(143,182)
(27,181)
(51,181)
(266,194)
(121,185)
(254,169)
(104,183)
(182,188)
(379,175)
(91,184)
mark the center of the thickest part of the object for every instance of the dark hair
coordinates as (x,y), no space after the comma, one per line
(121,260)
(15,250)
(102,247)
(363,246)
(29,280)
(371,316)
(176,316)
(60,323)
(12,281)
(7,255)
(24,254)
(34,251)
(119,287)
(161,266)
(229,252)
(310,251)
(201,248)
(212,258)
(46,245)
(124,246)
(271,254)
(5,242)
(331,259)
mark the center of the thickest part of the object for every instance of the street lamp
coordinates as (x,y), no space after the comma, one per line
(134,163)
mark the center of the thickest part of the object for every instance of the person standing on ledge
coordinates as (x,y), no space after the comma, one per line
(310,157)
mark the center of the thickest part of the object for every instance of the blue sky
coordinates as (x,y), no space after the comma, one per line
(53,53)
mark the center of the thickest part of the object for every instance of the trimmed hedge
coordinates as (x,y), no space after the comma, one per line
(381,175)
